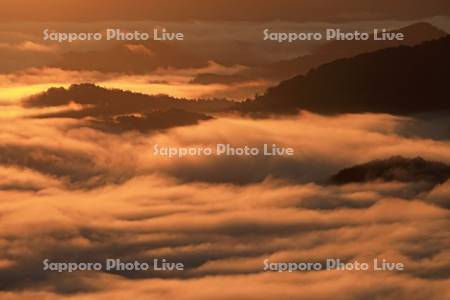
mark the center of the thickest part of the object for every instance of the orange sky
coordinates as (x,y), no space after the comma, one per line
(219,10)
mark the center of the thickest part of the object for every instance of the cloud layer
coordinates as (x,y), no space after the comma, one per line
(72,193)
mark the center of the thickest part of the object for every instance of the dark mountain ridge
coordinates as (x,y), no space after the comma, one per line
(102,101)
(117,111)
(399,80)
(414,34)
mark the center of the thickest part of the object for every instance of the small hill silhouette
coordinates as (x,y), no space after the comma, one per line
(396,168)
(157,120)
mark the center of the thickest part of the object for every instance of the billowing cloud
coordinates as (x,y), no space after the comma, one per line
(359,138)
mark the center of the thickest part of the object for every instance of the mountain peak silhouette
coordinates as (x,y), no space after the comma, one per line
(415,34)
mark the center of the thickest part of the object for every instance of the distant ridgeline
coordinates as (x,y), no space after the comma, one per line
(398,80)
(117,111)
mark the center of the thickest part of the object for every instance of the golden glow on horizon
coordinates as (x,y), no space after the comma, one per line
(12,94)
